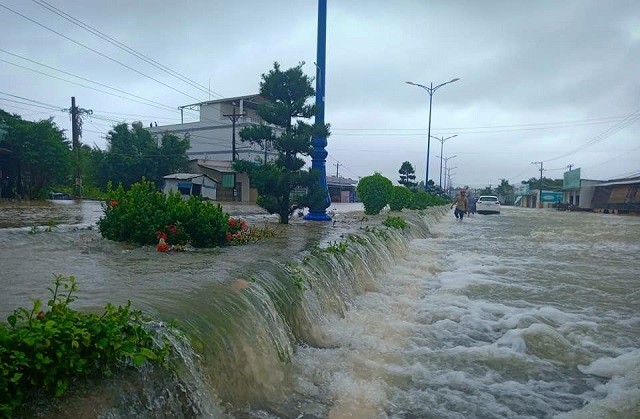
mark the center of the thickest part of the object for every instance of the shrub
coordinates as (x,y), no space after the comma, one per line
(140,214)
(422,200)
(400,198)
(374,191)
(45,351)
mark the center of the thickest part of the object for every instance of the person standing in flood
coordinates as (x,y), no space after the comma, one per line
(462,204)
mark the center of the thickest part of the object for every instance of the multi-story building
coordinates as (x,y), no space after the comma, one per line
(214,138)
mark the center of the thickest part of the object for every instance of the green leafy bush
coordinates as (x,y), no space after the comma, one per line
(374,191)
(422,200)
(45,351)
(395,222)
(141,213)
(400,198)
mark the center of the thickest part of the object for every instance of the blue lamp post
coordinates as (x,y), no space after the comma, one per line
(319,141)
(431,90)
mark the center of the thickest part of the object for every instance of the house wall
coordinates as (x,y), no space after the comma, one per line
(209,189)
(243,193)
(213,142)
(208,186)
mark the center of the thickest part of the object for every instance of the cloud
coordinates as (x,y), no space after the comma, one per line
(539,80)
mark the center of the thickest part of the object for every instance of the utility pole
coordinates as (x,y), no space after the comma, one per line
(337,165)
(76,133)
(541,169)
(540,186)
(234,118)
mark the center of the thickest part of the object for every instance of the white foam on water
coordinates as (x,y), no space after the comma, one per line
(468,325)
(619,397)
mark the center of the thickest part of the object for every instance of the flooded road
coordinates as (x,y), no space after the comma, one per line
(526,314)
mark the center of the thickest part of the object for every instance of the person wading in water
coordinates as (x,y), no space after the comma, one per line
(462,204)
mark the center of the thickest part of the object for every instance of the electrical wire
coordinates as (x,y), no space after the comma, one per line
(31,100)
(523,127)
(161,105)
(97,52)
(630,119)
(124,47)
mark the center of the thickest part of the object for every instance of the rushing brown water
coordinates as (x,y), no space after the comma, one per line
(528,314)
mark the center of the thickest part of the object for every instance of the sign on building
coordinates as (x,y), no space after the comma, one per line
(551,196)
(571,179)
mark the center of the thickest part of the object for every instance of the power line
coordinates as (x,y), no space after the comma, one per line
(97,52)
(32,100)
(33,105)
(152,102)
(523,127)
(124,47)
(563,123)
(630,119)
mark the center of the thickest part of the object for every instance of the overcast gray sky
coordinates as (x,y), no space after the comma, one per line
(550,81)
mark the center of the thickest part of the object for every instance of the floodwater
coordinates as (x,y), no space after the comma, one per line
(527,314)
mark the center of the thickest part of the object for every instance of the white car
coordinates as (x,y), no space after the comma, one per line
(488,204)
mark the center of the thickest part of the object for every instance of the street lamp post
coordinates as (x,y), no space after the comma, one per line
(446,160)
(442,140)
(431,90)
(319,141)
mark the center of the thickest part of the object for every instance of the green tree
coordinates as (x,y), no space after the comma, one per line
(487,191)
(283,185)
(133,153)
(505,191)
(407,175)
(35,156)
(374,191)
(544,183)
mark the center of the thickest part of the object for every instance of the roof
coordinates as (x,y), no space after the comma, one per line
(620,182)
(254,97)
(333,180)
(184,176)
(220,166)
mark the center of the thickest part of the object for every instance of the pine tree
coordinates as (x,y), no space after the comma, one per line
(407,175)
(285,95)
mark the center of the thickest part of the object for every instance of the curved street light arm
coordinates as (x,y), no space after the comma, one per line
(442,140)
(446,82)
(420,85)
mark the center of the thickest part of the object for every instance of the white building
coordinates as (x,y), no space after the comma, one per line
(211,137)
(212,142)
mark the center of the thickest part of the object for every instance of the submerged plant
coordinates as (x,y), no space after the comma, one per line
(395,222)
(376,232)
(51,225)
(358,239)
(337,247)
(46,350)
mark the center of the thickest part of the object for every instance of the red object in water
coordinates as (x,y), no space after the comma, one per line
(162,245)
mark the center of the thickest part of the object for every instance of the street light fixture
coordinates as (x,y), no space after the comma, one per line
(431,90)
(446,161)
(442,140)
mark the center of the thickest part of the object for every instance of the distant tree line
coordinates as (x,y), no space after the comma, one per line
(37,158)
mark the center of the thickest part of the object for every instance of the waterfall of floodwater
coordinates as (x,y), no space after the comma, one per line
(528,314)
